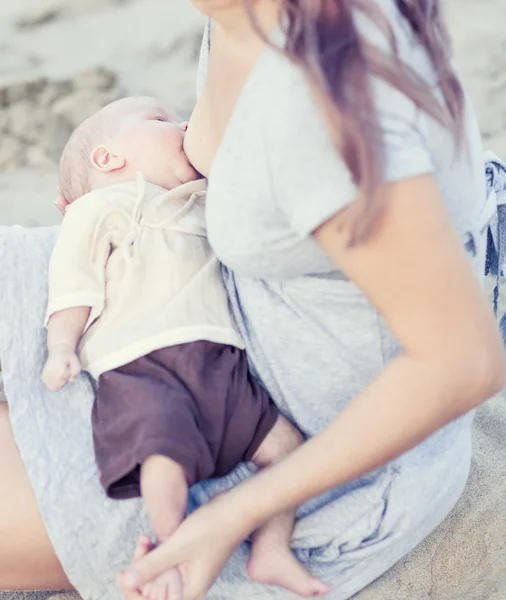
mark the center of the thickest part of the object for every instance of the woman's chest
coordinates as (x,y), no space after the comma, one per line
(229,141)
(246,228)
(227,73)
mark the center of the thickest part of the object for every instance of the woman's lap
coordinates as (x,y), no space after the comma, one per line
(94,537)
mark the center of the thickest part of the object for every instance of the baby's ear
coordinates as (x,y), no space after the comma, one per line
(105,160)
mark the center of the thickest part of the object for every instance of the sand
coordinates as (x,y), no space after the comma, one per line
(56,51)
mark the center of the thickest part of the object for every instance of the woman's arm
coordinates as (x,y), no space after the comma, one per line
(415,271)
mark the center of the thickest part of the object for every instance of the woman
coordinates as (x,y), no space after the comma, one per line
(309,274)
(345,210)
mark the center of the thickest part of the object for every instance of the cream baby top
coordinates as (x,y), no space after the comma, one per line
(139,256)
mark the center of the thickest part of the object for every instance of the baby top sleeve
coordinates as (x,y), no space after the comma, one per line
(79,259)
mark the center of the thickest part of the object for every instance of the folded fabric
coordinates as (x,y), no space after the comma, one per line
(495,216)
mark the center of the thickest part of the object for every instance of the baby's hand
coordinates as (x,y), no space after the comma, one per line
(61,367)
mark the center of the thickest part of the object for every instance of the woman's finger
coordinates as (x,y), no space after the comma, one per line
(144,546)
(128,593)
(150,566)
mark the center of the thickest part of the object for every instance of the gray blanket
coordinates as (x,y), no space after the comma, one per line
(465,558)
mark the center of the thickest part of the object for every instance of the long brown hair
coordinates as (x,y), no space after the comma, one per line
(323,39)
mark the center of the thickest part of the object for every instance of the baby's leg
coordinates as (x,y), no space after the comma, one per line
(165,493)
(271,560)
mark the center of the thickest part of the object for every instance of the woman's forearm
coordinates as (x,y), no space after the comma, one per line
(403,406)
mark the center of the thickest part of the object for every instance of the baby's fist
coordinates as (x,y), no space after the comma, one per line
(61,367)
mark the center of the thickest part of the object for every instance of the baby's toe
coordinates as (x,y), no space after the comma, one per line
(147,590)
(175,585)
(161,590)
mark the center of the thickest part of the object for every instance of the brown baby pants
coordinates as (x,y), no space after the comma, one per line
(195,403)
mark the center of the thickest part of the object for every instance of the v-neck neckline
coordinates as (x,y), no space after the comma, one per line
(275,36)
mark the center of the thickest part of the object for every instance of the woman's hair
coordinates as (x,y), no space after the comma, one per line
(323,39)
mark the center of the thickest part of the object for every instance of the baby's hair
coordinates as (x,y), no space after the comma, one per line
(75,162)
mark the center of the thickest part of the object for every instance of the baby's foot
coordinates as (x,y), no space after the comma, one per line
(278,566)
(167,586)
(62,366)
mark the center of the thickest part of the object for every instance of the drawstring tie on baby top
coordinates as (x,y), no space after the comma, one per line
(130,243)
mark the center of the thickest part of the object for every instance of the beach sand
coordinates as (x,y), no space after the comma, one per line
(61,58)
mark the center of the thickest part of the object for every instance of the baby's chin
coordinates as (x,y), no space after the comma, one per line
(169,174)
(186,172)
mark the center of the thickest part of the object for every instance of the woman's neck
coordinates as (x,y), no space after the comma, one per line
(234,19)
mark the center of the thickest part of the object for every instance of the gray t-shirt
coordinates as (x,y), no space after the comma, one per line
(313,338)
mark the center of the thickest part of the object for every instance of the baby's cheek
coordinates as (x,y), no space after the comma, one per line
(172,145)
(154,148)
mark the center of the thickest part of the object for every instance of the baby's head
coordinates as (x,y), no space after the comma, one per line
(128,136)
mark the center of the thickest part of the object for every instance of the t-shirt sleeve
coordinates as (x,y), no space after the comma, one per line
(78,261)
(407,152)
(311,180)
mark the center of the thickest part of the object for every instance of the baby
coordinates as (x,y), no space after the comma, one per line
(137,300)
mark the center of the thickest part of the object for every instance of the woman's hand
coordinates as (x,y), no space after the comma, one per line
(144,546)
(200,547)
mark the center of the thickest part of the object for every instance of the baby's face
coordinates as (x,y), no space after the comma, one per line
(148,139)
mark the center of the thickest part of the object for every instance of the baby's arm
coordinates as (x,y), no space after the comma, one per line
(64,331)
(76,286)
